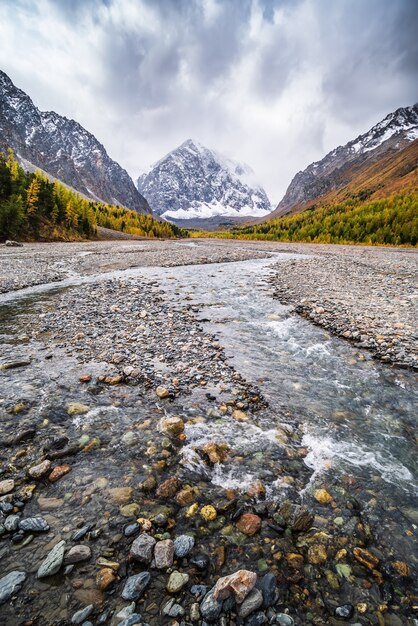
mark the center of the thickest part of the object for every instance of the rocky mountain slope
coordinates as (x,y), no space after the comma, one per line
(193,182)
(360,164)
(63,149)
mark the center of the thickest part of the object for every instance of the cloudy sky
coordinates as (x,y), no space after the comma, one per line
(275,83)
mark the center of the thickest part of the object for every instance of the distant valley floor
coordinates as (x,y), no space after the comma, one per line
(365,294)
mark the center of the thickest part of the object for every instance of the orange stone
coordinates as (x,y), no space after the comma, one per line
(185,496)
(59,471)
(105,577)
(168,488)
(366,558)
(249,524)
(240,584)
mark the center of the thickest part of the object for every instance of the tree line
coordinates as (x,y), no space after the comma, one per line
(32,207)
(388,221)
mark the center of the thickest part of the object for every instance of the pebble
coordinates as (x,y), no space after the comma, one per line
(182,545)
(177,581)
(104,578)
(210,608)
(53,561)
(135,586)
(322,496)
(251,603)
(142,548)
(201,561)
(208,513)
(58,472)
(249,524)
(172,426)
(11,584)
(76,554)
(11,523)
(82,614)
(76,408)
(132,620)
(256,620)
(240,584)
(6,486)
(34,525)
(38,471)
(162,392)
(268,586)
(164,554)
(345,611)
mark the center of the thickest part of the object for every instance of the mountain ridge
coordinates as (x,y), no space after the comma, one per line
(334,171)
(195,182)
(64,149)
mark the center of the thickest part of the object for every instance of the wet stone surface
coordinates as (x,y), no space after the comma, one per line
(164,495)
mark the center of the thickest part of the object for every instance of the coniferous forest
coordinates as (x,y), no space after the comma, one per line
(34,208)
(388,221)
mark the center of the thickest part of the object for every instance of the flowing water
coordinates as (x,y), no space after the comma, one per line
(356,415)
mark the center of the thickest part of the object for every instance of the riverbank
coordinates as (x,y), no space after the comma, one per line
(154,467)
(366,295)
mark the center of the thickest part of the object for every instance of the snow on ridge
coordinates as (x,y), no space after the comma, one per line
(204,210)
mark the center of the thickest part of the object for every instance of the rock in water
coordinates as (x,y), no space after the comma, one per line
(135,586)
(240,584)
(164,554)
(142,548)
(34,525)
(268,586)
(182,545)
(210,607)
(80,616)
(177,581)
(251,603)
(77,554)
(10,584)
(52,564)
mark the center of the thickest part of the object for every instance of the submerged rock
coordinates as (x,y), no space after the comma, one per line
(11,584)
(142,548)
(210,607)
(164,554)
(182,545)
(34,525)
(52,563)
(135,586)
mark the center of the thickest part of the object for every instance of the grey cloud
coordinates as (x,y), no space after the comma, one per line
(318,73)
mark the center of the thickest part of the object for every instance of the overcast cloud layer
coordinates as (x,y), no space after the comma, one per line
(275,83)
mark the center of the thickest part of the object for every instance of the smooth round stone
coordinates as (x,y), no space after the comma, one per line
(177,581)
(34,524)
(284,620)
(80,616)
(11,584)
(77,554)
(182,545)
(135,586)
(131,529)
(345,611)
(172,609)
(210,608)
(52,563)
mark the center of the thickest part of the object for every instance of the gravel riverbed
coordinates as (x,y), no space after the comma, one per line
(120,418)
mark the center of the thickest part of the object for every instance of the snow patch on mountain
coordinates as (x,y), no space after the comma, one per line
(193,182)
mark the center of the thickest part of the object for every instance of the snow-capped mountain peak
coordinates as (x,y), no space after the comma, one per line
(194,182)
